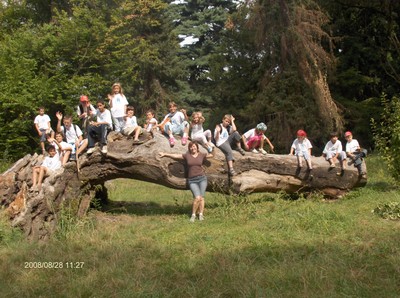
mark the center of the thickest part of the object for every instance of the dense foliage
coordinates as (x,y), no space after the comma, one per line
(312,64)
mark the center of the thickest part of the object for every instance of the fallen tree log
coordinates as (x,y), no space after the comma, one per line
(38,213)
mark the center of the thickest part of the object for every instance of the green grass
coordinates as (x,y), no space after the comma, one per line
(255,246)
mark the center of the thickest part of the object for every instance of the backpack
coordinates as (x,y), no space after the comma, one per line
(65,132)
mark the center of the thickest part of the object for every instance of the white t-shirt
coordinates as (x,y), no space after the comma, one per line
(223,135)
(104,117)
(333,148)
(177,119)
(301,147)
(42,121)
(352,146)
(64,146)
(197,129)
(252,133)
(118,105)
(52,163)
(130,122)
(151,123)
(72,133)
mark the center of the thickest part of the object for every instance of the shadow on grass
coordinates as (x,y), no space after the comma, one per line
(382,186)
(149,208)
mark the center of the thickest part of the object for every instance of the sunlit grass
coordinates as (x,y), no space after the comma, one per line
(257,246)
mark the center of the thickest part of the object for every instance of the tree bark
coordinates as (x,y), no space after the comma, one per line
(38,213)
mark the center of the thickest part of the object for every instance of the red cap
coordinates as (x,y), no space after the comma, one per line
(84,98)
(348,133)
(301,133)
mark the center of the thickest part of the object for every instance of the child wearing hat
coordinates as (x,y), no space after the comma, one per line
(301,147)
(354,151)
(254,139)
(83,111)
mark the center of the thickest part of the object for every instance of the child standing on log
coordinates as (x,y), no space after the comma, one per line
(43,127)
(118,105)
(301,147)
(226,137)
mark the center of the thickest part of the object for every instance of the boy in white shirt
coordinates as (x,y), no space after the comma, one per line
(333,151)
(72,134)
(43,127)
(98,130)
(131,126)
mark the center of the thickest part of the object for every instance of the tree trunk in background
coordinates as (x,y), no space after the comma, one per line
(38,213)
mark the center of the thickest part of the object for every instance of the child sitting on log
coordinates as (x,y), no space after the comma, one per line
(333,151)
(198,134)
(354,152)
(301,147)
(175,123)
(49,165)
(226,137)
(131,126)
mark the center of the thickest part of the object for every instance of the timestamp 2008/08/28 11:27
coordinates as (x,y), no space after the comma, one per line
(54,265)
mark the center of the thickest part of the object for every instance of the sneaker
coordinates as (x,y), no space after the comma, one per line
(210,149)
(341,173)
(72,157)
(254,150)
(201,217)
(184,141)
(90,150)
(263,151)
(241,151)
(104,149)
(192,218)
(172,141)
(232,172)
(332,165)
(137,142)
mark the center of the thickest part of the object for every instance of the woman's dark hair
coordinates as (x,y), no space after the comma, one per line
(193,143)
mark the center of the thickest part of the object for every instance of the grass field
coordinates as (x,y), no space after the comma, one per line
(264,245)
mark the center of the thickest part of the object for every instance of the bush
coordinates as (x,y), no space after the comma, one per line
(386,134)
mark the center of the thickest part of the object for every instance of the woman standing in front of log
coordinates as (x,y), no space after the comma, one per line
(197,178)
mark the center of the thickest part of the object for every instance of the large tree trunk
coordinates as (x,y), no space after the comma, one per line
(38,213)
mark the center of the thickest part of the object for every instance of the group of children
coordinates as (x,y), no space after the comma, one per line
(69,140)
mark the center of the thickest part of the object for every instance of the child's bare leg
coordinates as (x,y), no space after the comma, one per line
(137,131)
(66,157)
(299,161)
(82,147)
(35,175)
(309,164)
(42,145)
(42,173)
